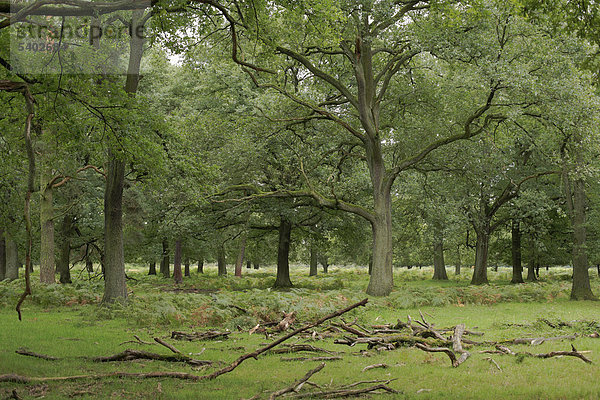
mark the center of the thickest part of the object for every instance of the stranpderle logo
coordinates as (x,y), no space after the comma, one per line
(74,37)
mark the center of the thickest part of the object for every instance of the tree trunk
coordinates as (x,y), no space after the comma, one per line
(201,266)
(283,251)
(439,266)
(240,259)
(89,266)
(2,255)
(47,267)
(325,264)
(458,261)
(248,264)
(62,266)
(165,267)
(114,263)
(313,262)
(382,277)
(256,265)
(221,260)
(531,277)
(186,269)
(152,268)
(481,254)
(177,276)
(581,289)
(12,259)
(517,268)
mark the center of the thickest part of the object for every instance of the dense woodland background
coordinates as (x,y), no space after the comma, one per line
(248,133)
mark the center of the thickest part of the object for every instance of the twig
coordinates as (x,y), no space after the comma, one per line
(490,359)
(137,341)
(255,353)
(296,386)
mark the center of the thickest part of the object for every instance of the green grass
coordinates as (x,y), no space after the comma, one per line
(67,322)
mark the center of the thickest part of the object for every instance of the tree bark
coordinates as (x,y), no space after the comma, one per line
(313,262)
(221,260)
(62,266)
(2,255)
(283,252)
(177,275)
(481,254)
(240,259)
(152,268)
(47,267)
(517,268)
(325,264)
(12,259)
(439,266)
(201,266)
(165,267)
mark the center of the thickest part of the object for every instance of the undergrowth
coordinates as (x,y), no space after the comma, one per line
(208,300)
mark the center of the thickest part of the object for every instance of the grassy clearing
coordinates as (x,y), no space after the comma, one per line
(65,321)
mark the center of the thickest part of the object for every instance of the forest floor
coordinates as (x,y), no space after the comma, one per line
(66,322)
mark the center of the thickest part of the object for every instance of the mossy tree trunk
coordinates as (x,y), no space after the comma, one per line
(152,268)
(481,254)
(240,258)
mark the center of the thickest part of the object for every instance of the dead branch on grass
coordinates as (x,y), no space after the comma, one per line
(208,335)
(296,386)
(573,353)
(129,355)
(25,352)
(31,379)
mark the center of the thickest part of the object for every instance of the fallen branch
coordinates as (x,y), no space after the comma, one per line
(31,379)
(208,335)
(331,394)
(296,386)
(573,353)
(25,352)
(445,350)
(137,341)
(129,355)
(167,345)
(490,359)
(255,353)
(327,358)
(368,367)
(294,348)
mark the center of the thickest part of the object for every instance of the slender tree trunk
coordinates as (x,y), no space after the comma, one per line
(89,266)
(313,262)
(47,267)
(458,261)
(201,266)
(221,260)
(439,266)
(283,252)
(12,259)
(186,269)
(165,267)
(240,259)
(248,264)
(2,255)
(256,265)
(531,277)
(152,268)
(177,275)
(481,254)
(62,266)
(517,268)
